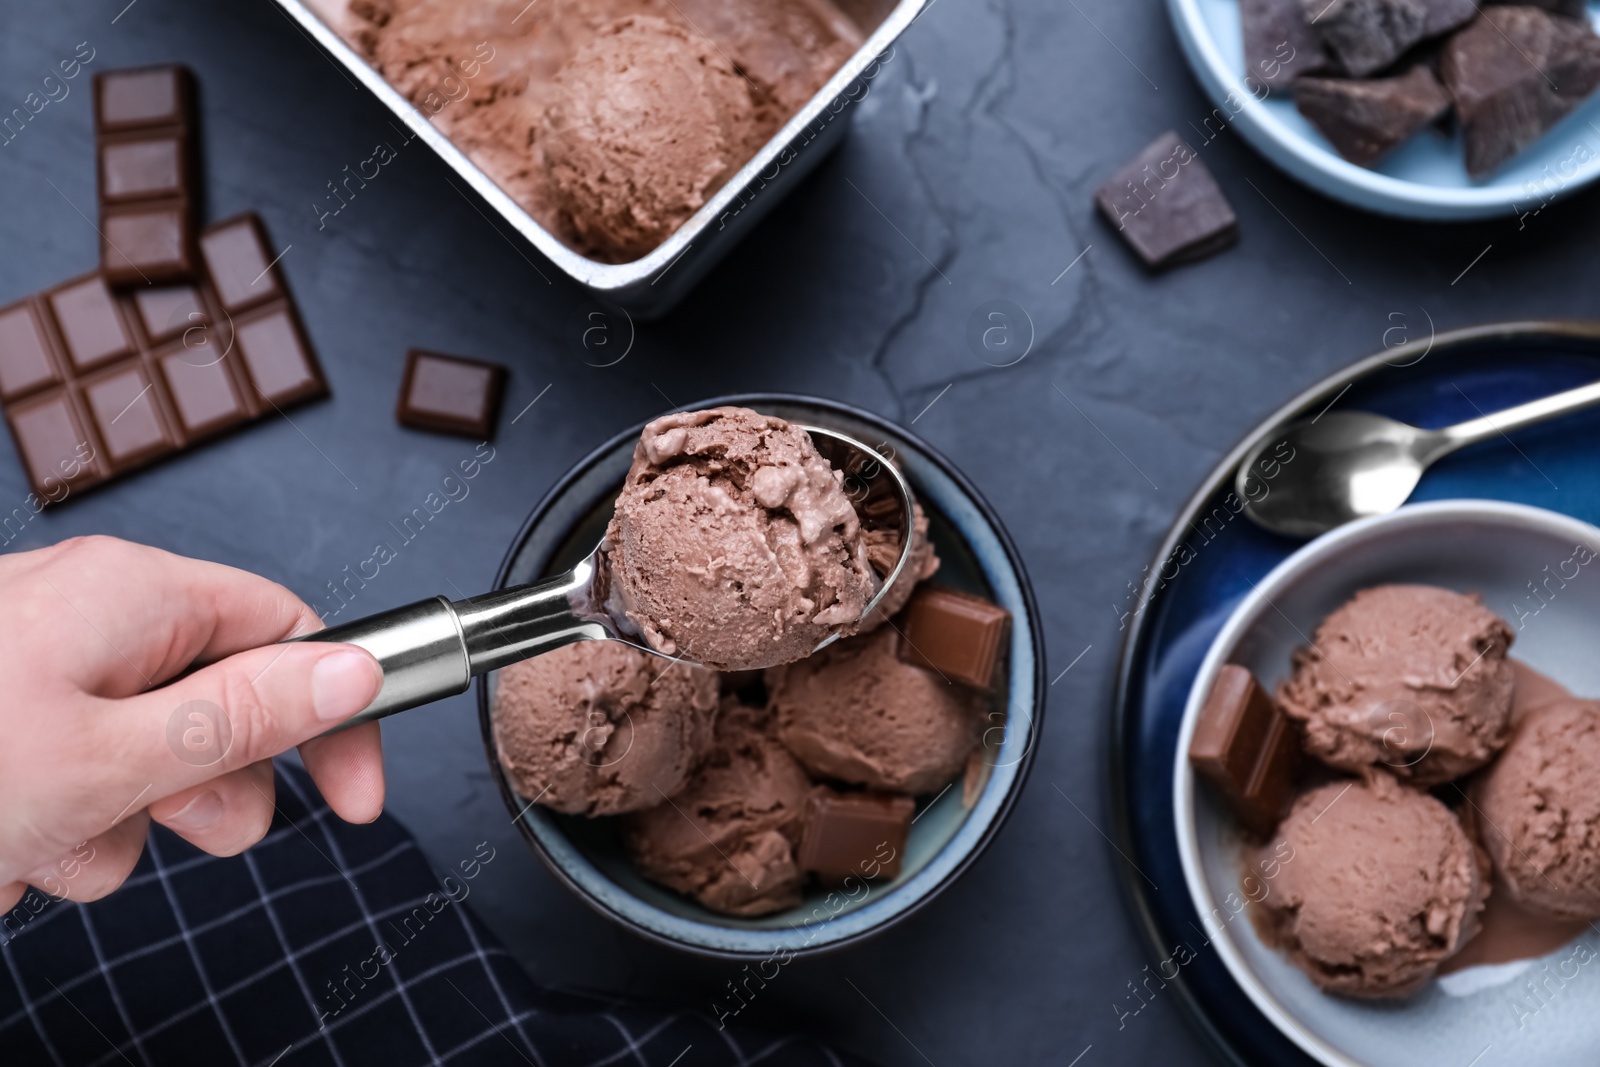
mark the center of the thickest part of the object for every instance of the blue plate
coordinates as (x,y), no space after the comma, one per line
(1171,625)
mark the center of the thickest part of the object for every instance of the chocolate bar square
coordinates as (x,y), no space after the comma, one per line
(960,636)
(276,354)
(237,256)
(55,443)
(91,326)
(127,415)
(169,311)
(147,243)
(26,364)
(149,168)
(1245,746)
(1167,206)
(149,96)
(855,834)
(449,394)
(204,395)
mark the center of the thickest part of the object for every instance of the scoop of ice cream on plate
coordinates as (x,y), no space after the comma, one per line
(1378,884)
(734,544)
(1412,679)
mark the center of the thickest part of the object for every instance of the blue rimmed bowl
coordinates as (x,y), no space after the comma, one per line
(946,838)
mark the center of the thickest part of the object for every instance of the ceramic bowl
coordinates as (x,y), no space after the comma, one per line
(1487,547)
(978,556)
(1425,178)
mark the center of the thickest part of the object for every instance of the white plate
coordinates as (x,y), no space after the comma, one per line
(1491,548)
(1425,178)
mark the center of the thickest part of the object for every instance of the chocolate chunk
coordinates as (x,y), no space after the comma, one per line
(1245,746)
(242,267)
(26,364)
(1572,9)
(144,121)
(855,834)
(1514,73)
(1446,15)
(1364,119)
(1279,45)
(148,243)
(960,636)
(277,356)
(1167,206)
(1364,36)
(95,385)
(450,394)
(90,324)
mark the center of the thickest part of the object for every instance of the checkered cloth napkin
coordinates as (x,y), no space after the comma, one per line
(325,944)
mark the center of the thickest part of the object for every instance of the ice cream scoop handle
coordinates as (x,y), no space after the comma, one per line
(432,649)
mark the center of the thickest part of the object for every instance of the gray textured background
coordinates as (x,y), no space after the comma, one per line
(981,143)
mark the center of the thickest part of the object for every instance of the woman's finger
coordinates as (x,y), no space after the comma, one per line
(224,816)
(348,769)
(97,866)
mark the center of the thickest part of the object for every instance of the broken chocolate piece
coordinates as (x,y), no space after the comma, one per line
(1167,206)
(1364,36)
(449,394)
(855,834)
(1364,119)
(1246,747)
(1447,15)
(95,385)
(956,634)
(1572,9)
(144,122)
(1514,73)
(1279,45)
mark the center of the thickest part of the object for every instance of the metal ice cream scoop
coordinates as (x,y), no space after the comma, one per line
(433,648)
(1343,466)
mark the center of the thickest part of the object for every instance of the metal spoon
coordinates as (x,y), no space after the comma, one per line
(433,648)
(1349,465)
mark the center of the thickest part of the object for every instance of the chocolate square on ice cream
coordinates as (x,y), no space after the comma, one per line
(1167,206)
(958,635)
(1246,747)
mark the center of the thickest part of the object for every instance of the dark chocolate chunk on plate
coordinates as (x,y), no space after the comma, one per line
(1364,119)
(1572,9)
(1167,206)
(1447,15)
(1365,36)
(1279,45)
(1514,73)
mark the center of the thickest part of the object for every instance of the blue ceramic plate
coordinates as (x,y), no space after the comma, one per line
(946,837)
(1425,178)
(1185,605)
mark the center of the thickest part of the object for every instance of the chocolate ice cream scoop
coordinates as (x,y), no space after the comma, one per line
(751,563)
(1377,884)
(599,728)
(1540,810)
(1412,679)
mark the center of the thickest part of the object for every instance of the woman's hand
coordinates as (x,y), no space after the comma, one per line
(97,738)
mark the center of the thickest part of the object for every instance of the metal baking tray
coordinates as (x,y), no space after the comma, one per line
(651,286)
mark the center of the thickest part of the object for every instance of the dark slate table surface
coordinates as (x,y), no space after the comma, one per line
(967,178)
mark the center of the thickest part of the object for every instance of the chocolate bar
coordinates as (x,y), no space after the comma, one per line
(144,121)
(1514,73)
(96,385)
(960,636)
(1364,119)
(1364,36)
(855,834)
(1247,748)
(450,394)
(1167,206)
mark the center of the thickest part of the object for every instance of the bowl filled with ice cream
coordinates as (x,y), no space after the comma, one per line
(618,136)
(773,812)
(1384,789)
